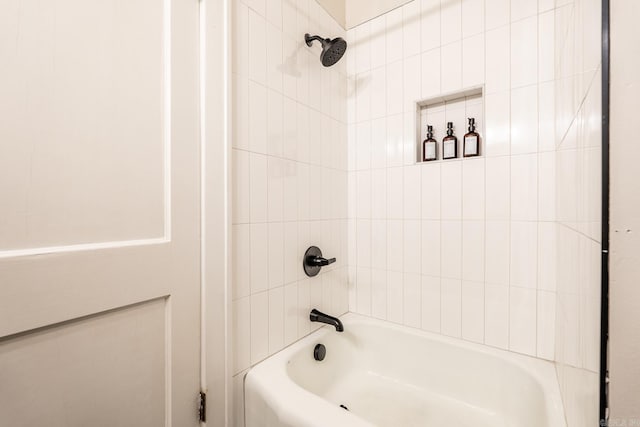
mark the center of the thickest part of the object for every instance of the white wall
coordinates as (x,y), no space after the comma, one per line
(578,188)
(624,362)
(289,179)
(460,247)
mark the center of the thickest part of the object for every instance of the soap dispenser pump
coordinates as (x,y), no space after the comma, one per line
(429,146)
(471,146)
(450,144)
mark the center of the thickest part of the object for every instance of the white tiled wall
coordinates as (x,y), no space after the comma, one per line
(289,178)
(459,247)
(578,190)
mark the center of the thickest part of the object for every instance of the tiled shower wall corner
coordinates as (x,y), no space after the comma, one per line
(461,247)
(289,178)
(578,188)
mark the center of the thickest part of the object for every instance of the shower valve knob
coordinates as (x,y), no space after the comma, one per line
(313,261)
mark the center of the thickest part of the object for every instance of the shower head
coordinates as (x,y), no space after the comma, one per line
(332,50)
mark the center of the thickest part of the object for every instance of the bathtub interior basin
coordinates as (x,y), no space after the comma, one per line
(379,374)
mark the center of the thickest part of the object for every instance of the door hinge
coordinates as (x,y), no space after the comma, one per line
(202,407)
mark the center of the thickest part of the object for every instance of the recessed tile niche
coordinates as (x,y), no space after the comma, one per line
(455,107)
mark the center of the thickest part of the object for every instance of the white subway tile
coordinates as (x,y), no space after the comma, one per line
(395,138)
(546,46)
(524,48)
(546,317)
(523,9)
(258,258)
(430,73)
(379,143)
(524,254)
(363,243)
(363,96)
(411,246)
(451,244)
(473,311)
(472,17)
(275,189)
(496,13)
(378,39)
(412,192)
(363,191)
(394,88)
(451,21)
(473,250)
(497,258)
(257,118)
(524,187)
(473,57)
(394,35)
(304,307)
(547,256)
(241,247)
(274,61)
(378,92)
(430,24)
(395,245)
(290,313)
(363,51)
(276,254)
(411,82)
(379,293)
(431,303)
(259,326)
(430,191)
(498,126)
(257,48)
(276,319)
(451,193)
(451,67)
(395,195)
(274,123)
(412,293)
(498,196)
(258,187)
(395,298)
(522,320)
(547,186)
(379,244)
(379,194)
(496,326)
(524,120)
(290,252)
(411,28)
(451,306)
(431,248)
(363,287)
(241,187)
(473,187)
(498,63)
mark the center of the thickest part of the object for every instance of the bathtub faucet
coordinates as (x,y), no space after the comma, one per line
(318,316)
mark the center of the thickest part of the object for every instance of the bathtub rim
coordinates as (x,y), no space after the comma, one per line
(271,374)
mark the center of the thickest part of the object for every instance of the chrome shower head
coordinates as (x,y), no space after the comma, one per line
(332,50)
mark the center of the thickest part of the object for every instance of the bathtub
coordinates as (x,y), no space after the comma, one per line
(393,376)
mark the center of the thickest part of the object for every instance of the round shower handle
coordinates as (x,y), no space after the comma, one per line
(313,261)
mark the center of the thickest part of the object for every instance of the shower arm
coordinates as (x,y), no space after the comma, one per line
(309,39)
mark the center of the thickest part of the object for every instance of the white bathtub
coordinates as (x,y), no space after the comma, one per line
(392,376)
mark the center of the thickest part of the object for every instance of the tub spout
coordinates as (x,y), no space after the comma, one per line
(318,316)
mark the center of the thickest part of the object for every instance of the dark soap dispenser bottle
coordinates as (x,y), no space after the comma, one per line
(429,146)
(471,146)
(450,144)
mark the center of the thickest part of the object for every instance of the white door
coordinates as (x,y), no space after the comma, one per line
(99,213)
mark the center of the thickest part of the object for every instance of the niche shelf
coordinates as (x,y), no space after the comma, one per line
(453,107)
